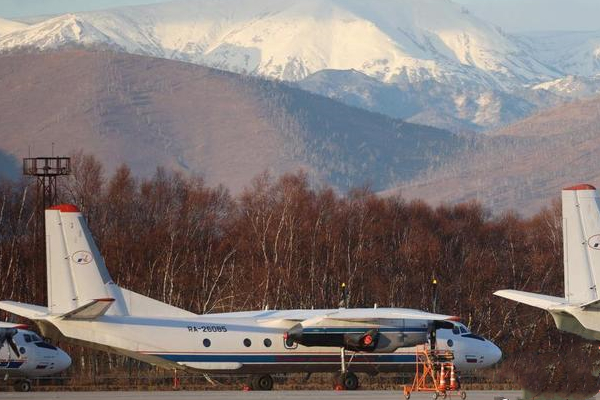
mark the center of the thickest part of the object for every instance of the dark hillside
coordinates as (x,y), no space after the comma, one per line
(226,127)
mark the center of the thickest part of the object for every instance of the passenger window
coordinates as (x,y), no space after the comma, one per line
(206,342)
(247,342)
(27,338)
(268,342)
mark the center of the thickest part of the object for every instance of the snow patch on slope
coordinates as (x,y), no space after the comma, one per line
(7,26)
(572,87)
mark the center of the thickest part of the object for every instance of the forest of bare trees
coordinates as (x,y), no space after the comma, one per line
(285,244)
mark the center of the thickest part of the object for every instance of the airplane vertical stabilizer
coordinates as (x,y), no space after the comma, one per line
(581,241)
(76,271)
(79,285)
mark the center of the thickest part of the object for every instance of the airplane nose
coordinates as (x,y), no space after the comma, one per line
(63,362)
(495,354)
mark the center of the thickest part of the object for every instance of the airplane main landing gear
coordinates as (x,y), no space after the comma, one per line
(346,381)
(22,385)
(261,382)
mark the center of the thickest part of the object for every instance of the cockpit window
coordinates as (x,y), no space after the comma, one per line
(472,336)
(460,329)
(36,338)
(45,345)
(27,338)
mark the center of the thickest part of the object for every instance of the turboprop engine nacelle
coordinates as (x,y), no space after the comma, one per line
(376,340)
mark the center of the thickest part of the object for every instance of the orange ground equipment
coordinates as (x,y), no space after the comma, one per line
(435,373)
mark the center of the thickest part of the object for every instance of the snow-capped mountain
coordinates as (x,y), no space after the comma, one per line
(391,40)
(571,53)
(432,51)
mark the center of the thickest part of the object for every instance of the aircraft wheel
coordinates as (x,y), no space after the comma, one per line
(23,386)
(463,394)
(349,381)
(261,382)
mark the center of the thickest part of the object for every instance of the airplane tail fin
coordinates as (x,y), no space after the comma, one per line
(76,271)
(581,243)
(79,285)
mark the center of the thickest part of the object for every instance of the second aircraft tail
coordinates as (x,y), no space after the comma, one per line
(581,245)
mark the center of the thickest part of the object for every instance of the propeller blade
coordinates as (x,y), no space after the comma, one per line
(13,346)
(443,325)
(6,336)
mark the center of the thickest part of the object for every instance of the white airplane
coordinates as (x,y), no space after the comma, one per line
(24,355)
(87,307)
(577,312)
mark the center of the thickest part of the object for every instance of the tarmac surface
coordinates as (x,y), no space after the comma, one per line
(274,395)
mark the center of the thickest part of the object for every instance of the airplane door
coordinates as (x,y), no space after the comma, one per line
(402,334)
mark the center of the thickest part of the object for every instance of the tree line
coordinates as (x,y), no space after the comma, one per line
(284,243)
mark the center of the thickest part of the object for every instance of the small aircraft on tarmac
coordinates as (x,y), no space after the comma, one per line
(577,312)
(86,307)
(24,355)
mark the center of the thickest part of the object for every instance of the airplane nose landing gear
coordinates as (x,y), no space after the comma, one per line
(22,385)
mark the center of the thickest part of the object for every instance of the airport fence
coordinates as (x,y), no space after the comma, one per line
(165,380)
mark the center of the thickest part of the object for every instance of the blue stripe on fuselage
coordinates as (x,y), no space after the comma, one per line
(286,358)
(11,364)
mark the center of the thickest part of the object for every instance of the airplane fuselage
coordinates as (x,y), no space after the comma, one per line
(237,344)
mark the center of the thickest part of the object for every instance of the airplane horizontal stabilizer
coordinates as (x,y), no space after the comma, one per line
(592,305)
(28,311)
(533,299)
(89,311)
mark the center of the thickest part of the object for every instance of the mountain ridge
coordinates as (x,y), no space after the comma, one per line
(521,167)
(428,48)
(226,127)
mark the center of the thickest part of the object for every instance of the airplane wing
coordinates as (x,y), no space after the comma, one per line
(378,314)
(374,316)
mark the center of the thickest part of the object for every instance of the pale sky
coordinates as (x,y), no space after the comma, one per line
(28,8)
(511,15)
(538,15)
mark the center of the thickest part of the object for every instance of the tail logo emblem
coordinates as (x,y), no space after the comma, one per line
(82,257)
(594,242)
